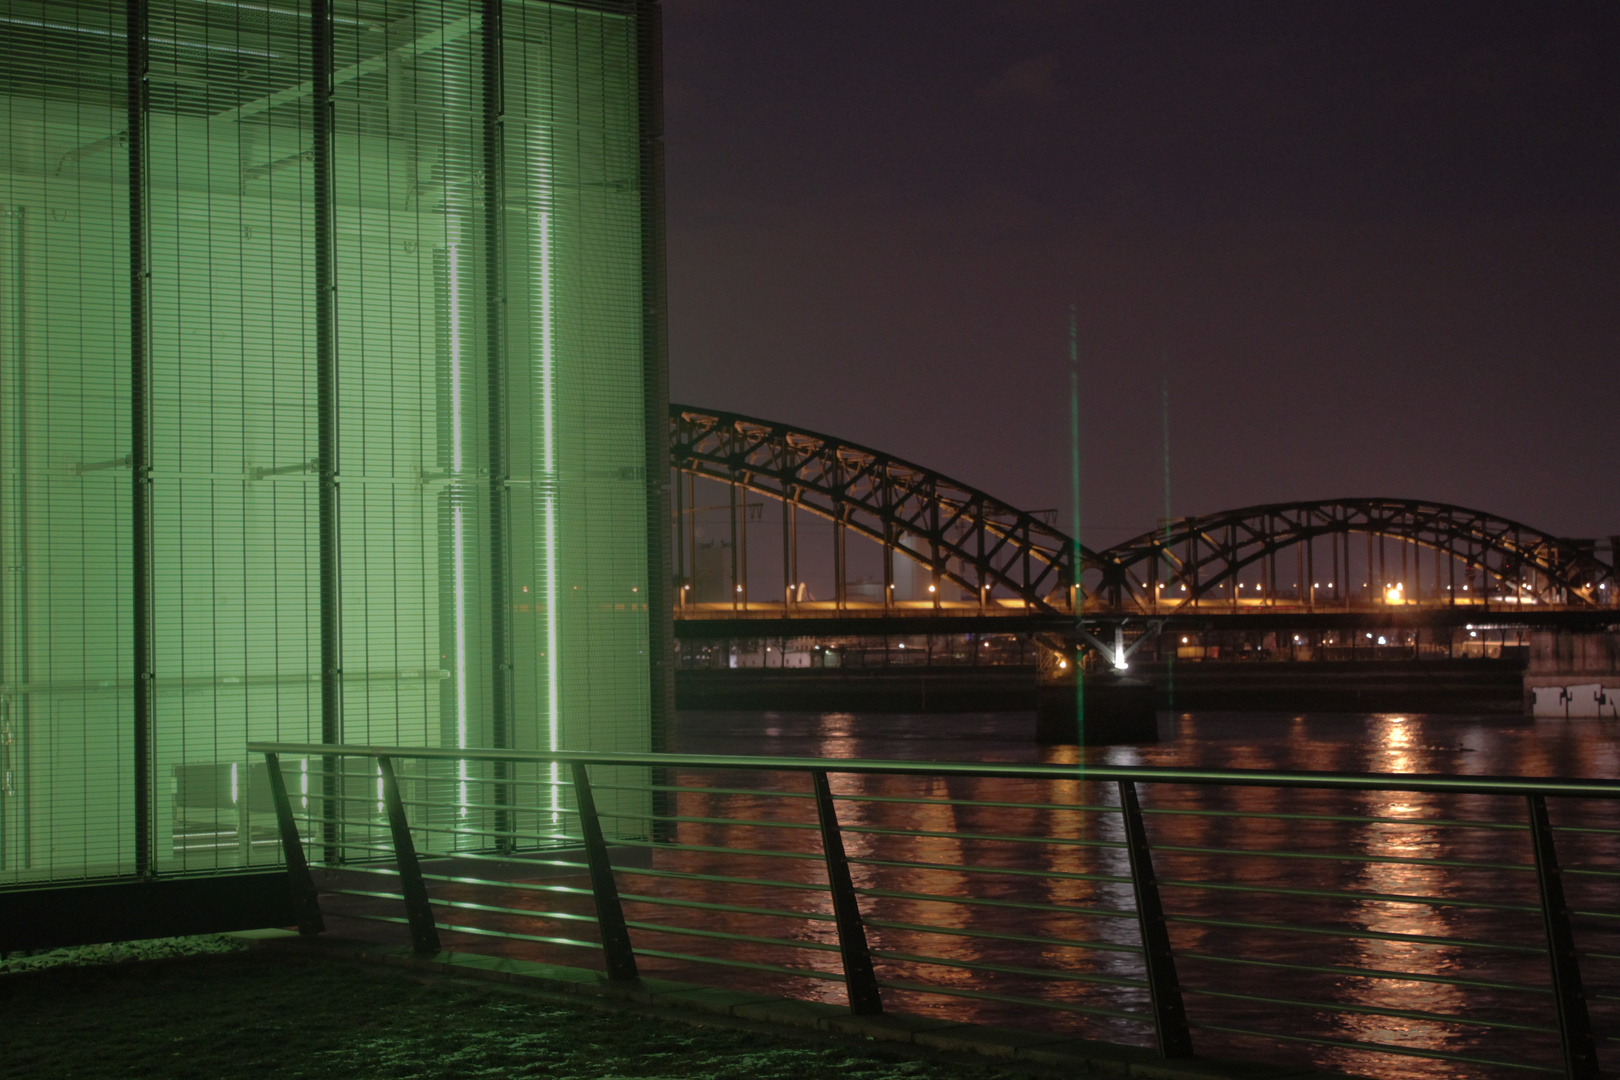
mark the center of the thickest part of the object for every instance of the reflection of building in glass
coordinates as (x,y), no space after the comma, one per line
(329,335)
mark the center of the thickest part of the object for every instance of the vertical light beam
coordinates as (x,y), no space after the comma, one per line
(458,554)
(540,165)
(1074,527)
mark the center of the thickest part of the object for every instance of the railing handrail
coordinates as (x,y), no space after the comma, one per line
(1425,782)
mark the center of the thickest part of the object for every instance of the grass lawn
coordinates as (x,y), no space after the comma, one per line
(260,1014)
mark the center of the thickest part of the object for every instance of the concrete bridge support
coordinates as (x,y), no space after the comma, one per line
(1573,674)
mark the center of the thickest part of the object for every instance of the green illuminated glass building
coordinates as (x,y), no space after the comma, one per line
(332,402)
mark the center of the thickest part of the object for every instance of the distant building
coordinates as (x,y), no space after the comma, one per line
(331,383)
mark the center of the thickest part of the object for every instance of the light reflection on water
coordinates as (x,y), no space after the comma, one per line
(1409,833)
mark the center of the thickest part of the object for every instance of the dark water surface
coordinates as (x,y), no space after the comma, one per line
(1334,742)
(1359,919)
(1478,870)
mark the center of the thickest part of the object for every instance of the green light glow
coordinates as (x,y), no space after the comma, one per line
(540,181)
(451,328)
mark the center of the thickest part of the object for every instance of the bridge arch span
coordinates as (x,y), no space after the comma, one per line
(1298,555)
(1192,562)
(960,535)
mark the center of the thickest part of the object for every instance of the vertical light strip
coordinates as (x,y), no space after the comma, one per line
(458,540)
(459,556)
(455,363)
(541,181)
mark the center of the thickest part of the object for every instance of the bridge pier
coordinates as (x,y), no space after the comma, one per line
(1101,708)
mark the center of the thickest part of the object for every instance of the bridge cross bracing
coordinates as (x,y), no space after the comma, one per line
(980,557)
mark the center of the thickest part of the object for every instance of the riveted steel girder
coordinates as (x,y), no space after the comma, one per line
(1206,554)
(958,533)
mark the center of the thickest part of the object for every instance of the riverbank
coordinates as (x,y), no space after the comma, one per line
(1475,687)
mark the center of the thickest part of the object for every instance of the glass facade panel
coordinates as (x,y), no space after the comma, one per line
(362,361)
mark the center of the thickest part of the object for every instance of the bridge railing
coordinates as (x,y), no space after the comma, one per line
(1352,918)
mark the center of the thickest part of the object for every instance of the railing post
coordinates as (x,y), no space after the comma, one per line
(1169,1013)
(424,934)
(1574,1024)
(616,949)
(304,900)
(859,978)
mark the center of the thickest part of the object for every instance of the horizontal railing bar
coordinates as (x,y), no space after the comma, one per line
(510,781)
(1027,939)
(497,909)
(1085,808)
(510,935)
(722,935)
(1061,841)
(354,823)
(513,886)
(749,965)
(368,893)
(511,858)
(571,890)
(1356,935)
(1367,973)
(1009,969)
(1352,819)
(1141,774)
(681,789)
(711,850)
(739,822)
(1057,875)
(384,871)
(1010,999)
(515,834)
(1368,1010)
(1375,1047)
(737,909)
(385,855)
(385,851)
(1315,856)
(1346,894)
(980,901)
(682,875)
(493,808)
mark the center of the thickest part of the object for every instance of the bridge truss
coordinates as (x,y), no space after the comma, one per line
(960,535)
(1299,555)
(1343,555)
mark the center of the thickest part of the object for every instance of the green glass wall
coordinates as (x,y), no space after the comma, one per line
(324,395)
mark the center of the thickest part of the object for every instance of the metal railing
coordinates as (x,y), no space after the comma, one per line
(1315,908)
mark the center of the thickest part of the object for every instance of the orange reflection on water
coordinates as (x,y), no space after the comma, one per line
(1384,946)
(1407,837)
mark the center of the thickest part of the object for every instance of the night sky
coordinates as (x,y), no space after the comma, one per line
(1373,247)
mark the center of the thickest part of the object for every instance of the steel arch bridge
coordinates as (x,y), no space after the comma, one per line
(960,535)
(1300,557)
(1204,561)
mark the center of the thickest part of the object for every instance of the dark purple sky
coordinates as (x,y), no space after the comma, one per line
(1374,247)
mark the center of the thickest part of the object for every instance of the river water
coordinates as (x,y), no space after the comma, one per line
(1358,904)
(1408,851)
